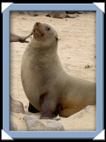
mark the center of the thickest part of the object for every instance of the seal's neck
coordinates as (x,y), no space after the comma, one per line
(44,49)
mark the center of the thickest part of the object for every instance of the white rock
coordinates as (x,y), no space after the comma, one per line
(33,123)
(36,124)
(17,123)
(16,106)
(52,125)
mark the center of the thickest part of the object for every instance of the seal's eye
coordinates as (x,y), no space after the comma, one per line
(48,28)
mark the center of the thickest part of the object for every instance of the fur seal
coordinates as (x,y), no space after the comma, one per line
(48,87)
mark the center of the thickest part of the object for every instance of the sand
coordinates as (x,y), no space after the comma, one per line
(77,52)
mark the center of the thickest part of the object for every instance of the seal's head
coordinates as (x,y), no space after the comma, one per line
(44,34)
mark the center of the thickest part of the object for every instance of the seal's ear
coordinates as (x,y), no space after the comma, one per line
(56,38)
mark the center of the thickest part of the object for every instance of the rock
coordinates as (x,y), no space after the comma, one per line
(57,14)
(62,15)
(32,13)
(56,118)
(36,13)
(36,124)
(52,125)
(87,66)
(33,123)
(73,12)
(17,123)
(16,106)
(13,126)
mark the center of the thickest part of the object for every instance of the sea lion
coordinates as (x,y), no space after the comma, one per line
(48,87)
(17,38)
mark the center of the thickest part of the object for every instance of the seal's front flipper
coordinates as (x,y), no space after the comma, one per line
(47,106)
(32,109)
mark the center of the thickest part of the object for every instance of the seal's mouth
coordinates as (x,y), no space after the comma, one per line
(38,32)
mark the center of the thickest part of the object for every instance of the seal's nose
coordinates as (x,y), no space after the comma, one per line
(37,23)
